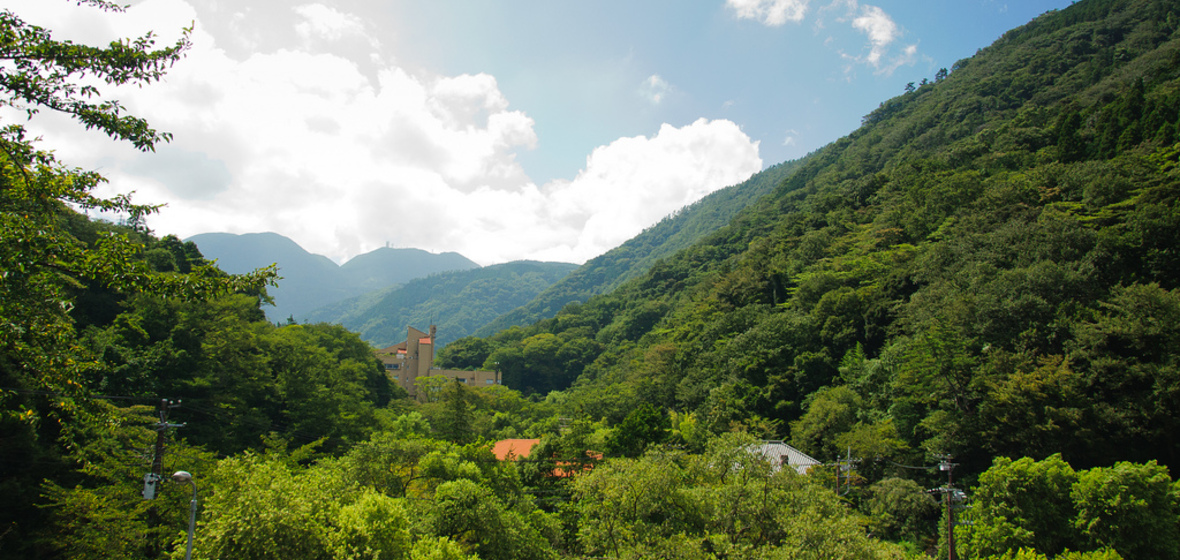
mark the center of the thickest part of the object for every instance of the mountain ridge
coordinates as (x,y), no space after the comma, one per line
(309,281)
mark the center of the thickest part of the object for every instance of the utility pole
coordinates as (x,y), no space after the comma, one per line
(151,480)
(842,466)
(951,495)
(949,467)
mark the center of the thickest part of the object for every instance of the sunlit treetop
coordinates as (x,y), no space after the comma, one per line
(38,71)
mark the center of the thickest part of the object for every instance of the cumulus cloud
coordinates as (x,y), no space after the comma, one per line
(634,182)
(322,22)
(343,159)
(880,29)
(871,21)
(770,12)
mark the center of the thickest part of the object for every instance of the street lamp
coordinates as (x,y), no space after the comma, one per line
(185,477)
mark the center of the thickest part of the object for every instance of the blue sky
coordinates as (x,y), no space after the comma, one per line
(575,67)
(500,129)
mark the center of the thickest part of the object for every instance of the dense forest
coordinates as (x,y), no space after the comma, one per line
(979,282)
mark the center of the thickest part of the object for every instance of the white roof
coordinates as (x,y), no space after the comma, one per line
(779,453)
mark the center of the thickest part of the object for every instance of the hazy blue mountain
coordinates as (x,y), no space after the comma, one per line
(458,302)
(311,281)
(378,269)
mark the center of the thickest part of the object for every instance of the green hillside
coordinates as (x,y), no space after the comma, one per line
(457,302)
(607,271)
(987,266)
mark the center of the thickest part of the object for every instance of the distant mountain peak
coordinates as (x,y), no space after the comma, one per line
(310,281)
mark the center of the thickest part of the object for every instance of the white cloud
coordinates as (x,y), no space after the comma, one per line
(880,29)
(770,12)
(322,22)
(871,21)
(654,89)
(634,182)
(344,160)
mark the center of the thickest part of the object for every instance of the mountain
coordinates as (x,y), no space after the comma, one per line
(989,266)
(311,281)
(382,267)
(634,257)
(458,302)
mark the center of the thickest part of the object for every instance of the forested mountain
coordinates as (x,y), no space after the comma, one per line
(987,266)
(311,281)
(458,302)
(607,271)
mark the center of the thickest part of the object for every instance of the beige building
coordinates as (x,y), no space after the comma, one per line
(413,358)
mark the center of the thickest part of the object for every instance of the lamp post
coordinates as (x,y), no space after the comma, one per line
(183,477)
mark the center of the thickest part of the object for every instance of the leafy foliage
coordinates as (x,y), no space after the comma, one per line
(1046,506)
(48,254)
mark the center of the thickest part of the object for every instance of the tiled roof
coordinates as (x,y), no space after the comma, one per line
(515,448)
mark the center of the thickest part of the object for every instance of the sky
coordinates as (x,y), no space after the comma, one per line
(499,129)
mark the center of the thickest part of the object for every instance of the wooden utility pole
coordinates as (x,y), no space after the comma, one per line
(152,479)
(947,466)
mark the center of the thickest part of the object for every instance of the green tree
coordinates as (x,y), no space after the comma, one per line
(261,507)
(901,509)
(644,426)
(726,503)
(374,527)
(1132,508)
(465,353)
(454,423)
(1128,352)
(473,516)
(439,548)
(45,259)
(1023,504)
(1029,554)
(98,513)
(831,411)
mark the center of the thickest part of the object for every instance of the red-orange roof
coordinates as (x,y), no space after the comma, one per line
(567,469)
(514,448)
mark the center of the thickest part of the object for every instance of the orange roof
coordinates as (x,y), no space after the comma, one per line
(424,341)
(515,448)
(567,469)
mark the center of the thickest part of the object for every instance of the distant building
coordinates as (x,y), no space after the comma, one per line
(413,358)
(517,449)
(513,449)
(782,455)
